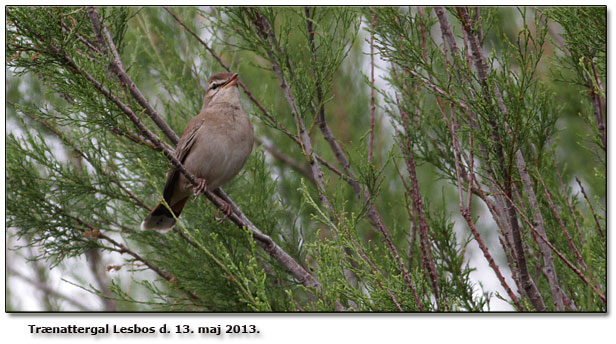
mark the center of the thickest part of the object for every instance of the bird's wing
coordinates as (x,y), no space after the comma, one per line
(181,151)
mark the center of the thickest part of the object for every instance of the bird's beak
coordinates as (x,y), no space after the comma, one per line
(232,81)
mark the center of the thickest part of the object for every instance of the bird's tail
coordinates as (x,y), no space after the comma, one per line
(161,219)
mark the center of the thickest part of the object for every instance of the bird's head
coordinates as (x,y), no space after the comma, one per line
(221,88)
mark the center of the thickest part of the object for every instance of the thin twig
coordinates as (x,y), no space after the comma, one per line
(578,255)
(594,214)
(284,158)
(424,241)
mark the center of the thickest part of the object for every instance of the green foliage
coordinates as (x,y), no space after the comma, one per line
(388,237)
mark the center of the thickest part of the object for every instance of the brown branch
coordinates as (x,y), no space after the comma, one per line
(105,41)
(446,31)
(528,284)
(418,208)
(548,262)
(424,240)
(577,271)
(319,110)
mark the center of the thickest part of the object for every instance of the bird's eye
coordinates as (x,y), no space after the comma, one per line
(215,86)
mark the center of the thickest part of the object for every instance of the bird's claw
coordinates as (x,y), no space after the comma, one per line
(201,187)
(226,209)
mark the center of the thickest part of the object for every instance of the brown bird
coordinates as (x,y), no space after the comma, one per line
(214,147)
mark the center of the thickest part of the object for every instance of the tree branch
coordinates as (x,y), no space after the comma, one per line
(482,70)
(117,68)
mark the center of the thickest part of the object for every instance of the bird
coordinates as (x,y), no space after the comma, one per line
(214,147)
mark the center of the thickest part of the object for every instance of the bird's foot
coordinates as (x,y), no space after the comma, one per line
(226,209)
(201,188)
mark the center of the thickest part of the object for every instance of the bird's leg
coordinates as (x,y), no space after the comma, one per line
(226,209)
(201,187)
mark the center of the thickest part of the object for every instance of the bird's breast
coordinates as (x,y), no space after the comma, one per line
(221,149)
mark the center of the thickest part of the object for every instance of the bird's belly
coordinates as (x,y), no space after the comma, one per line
(220,157)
